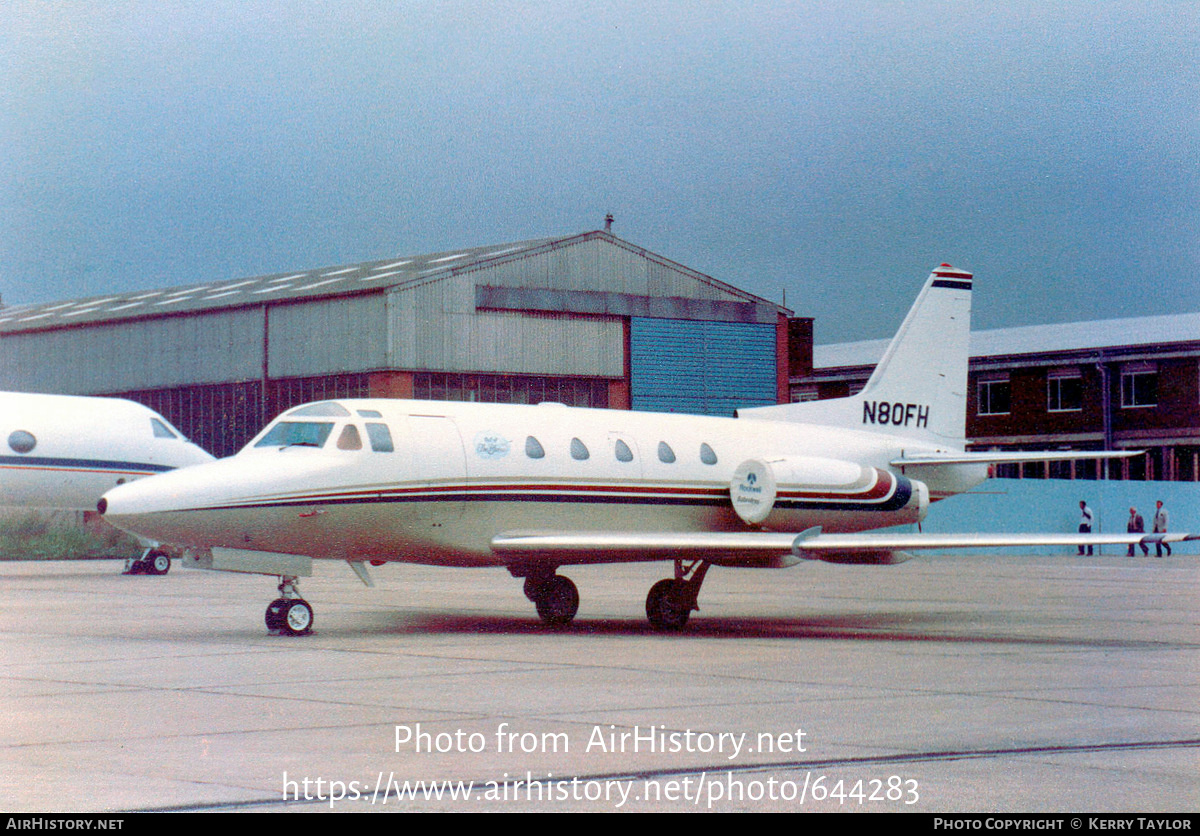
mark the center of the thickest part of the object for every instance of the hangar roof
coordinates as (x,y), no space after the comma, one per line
(228,293)
(1038,339)
(301,285)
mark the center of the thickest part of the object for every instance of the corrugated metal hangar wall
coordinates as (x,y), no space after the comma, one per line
(588,320)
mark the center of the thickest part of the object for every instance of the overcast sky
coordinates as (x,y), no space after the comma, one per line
(836,150)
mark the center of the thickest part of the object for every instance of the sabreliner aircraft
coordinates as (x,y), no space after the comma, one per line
(63,452)
(536,488)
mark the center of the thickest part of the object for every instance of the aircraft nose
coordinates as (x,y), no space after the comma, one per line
(123,499)
(150,507)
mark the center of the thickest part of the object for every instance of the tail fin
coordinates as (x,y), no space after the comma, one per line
(919,388)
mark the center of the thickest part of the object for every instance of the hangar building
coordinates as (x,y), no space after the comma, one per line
(1114,384)
(586,320)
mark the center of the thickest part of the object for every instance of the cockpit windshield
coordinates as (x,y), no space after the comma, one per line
(297,433)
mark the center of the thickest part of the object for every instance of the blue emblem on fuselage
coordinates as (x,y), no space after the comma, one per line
(490,445)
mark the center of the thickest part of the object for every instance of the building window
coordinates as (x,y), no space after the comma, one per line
(1139,385)
(1064,391)
(804,394)
(1059,469)
(995,396)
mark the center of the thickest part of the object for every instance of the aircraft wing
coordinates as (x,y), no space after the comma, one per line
(779,549)
(1009,457)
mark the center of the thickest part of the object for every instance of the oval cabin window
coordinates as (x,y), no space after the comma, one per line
(21,441)
(579,450)
(624,454)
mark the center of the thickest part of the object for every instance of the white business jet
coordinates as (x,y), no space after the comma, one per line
(536,488)
(63,452)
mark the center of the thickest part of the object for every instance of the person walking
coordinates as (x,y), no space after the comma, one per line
(1160,527)
(1085,524)
(1137,525)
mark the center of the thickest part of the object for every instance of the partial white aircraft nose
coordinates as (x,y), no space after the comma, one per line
(208,504)
(130,506)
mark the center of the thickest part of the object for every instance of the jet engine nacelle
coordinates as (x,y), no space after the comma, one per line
(766,488)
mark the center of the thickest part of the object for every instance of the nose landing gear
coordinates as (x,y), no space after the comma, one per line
(153,561)
(289,614)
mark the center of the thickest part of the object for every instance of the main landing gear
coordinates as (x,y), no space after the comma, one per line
(668,605)
(672,600)
(152,562)
(556,598)
(289,613)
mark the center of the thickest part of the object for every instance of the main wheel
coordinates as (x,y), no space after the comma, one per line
(666,605)
(557,600)
(532,587)
(297,618)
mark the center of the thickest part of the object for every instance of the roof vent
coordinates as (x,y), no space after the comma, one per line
(608,219)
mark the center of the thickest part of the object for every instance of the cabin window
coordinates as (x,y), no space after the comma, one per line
(380,436)
(349,439)
(297,433)
(624,454)
(160,429)
(533,448)
(370,413)
(579,450)
(324,409)
(707,455)
(21,441)
(665,454)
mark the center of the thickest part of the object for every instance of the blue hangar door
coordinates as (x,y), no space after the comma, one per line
(700,367)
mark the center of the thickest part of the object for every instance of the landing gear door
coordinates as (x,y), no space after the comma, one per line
(440,467)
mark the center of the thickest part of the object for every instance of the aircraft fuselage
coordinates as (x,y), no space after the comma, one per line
(434,482)
(64,452)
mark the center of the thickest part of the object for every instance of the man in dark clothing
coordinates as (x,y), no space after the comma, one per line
(1137,526)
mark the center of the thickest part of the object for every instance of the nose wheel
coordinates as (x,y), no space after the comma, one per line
(289,614)
(151,562)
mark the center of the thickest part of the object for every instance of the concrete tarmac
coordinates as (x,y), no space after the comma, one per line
(986,684)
